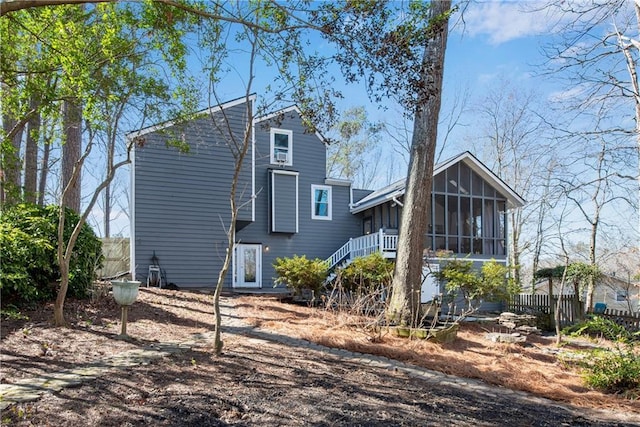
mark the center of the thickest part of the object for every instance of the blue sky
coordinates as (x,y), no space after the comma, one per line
(499,40)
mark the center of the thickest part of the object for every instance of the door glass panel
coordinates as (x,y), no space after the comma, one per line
(249,265)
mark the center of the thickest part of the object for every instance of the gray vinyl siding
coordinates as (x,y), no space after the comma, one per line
(182,200)
(315,238)
(181,203)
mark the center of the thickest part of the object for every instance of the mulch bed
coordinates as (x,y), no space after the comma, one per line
(254,382)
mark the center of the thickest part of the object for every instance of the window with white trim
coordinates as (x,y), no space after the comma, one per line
(281,147)
(321,202)
(621,296)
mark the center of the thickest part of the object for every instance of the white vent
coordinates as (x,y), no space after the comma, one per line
(281,157)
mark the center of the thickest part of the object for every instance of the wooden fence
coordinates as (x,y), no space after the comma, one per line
(543,306)
(570,310)
(630,321)
(116,256)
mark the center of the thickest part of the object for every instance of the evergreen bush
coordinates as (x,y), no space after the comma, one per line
(366,273)
(614,371)
(28,249)
(299,273)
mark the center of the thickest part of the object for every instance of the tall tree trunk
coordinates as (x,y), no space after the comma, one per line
(71,151)
(635,84)
(405,298)
(44,170)
(636,92)
(107,191)
(11,167)
(107,211)
(31,153)
(58,307)
(591,281)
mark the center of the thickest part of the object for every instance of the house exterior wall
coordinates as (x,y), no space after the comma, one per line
(181,201)
(315,238)
(617,294)
(180,208)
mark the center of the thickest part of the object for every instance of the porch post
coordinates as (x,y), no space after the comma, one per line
(381,243)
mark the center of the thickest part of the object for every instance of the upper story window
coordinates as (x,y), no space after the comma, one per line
(321,202)
(281,147)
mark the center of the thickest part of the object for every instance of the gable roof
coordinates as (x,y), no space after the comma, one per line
(397,188)
(220,107)
(295,109)
(210,110)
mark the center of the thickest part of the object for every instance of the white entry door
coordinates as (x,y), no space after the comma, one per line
(248,266)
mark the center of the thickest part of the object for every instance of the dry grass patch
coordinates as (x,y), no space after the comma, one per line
(534,368)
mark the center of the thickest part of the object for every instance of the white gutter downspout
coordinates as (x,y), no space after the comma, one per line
(398,202)
(132,211)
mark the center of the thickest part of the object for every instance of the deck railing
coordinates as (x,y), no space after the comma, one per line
(363,246)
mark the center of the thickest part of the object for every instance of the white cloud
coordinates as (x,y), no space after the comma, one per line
(502,21)
(571,93)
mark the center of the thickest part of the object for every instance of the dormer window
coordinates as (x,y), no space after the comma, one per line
(281,147)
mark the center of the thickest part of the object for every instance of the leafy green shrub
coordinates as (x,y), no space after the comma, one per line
(488,284)
(600,327)
(28,245)
(299,273)
(26,264)
(616,371)
(366,273)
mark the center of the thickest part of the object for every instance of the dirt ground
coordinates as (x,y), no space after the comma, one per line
(259,382)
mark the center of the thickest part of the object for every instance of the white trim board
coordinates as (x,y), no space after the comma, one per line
(210,110)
